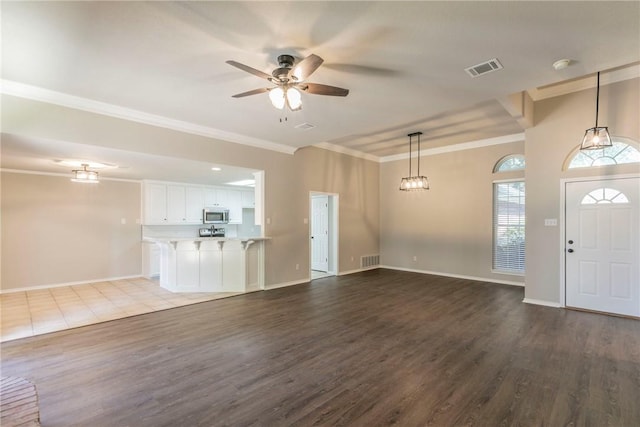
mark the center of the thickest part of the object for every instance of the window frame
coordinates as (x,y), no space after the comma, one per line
(494,233)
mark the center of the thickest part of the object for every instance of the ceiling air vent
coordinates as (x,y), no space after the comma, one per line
(305,126)
(484,68)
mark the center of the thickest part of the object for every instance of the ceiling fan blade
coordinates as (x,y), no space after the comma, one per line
(319,89)
(251,92)
(306,67)
(250,70)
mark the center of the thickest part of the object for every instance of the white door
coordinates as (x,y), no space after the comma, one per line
(602,258)
(320,233)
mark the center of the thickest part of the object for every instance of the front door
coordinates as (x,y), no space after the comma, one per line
(320,233)
(602,258)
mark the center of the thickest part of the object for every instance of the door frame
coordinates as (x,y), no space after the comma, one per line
(563,208)
(334,202)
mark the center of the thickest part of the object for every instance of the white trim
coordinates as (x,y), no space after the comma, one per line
(563,219)
(456,276)
(65,175)
(35,93)
(517,137)
(348,151)
(359,270)
(61,285)
(285,284)
(586,82)
(542,302)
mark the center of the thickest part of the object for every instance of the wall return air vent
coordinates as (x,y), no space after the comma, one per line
(484,68)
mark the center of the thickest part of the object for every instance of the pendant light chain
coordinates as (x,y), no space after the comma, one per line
(597,99)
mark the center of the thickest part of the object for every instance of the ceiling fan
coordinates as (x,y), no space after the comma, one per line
(290,81)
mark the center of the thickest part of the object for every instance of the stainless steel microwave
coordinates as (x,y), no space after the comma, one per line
(215,215)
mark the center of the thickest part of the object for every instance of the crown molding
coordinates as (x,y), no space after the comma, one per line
(347,151)
(35,93)
(585,82)
(516,137)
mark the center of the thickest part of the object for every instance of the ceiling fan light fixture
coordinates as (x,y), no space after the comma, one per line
(276,95)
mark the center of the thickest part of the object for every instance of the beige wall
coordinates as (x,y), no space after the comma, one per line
(288,179)
(560,123)
(449,227)
(55,231)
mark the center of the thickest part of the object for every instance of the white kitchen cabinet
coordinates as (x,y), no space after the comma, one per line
(248,199)
(150,260)
(155,203)
(211,268)
(234,204)
(194,203)
(168,203)
(215,197)
(176,204)
(188,267)
(211,265)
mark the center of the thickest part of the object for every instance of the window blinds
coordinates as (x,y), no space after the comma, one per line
(508,227)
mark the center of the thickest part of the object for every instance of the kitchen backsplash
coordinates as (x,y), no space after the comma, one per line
(246,229)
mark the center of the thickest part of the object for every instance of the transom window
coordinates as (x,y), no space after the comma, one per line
(619,153)
(604,195)
(512,162)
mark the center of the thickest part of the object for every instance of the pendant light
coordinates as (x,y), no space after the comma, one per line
(596,138)
(418,182)
(85,176)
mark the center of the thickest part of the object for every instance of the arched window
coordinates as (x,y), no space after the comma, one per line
(511,162)
(604,195)
(621,152)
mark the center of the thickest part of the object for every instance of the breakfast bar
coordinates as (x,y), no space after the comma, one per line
(211,264)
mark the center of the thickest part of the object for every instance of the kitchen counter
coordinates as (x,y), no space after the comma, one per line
(211,264)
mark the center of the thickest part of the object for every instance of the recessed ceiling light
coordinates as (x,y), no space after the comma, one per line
(216,169)
(244,183)
(75,163)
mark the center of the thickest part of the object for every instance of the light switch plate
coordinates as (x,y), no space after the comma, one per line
(551,222)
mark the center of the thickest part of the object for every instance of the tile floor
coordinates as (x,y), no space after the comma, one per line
(36,312)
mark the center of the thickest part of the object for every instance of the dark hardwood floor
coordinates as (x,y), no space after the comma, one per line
(376,348)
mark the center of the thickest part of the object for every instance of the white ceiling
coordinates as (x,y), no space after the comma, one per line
(402,61)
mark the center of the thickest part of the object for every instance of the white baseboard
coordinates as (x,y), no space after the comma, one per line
(359,270)
(285,284)
(456,276)
(61,285)
(542,302)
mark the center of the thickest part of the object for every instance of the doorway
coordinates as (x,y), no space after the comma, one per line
(323,235)
(602,255)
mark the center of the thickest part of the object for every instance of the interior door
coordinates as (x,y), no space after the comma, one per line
(602,258)
(320,233)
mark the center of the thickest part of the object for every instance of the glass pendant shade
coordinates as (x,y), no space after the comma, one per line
(417,182)
(597,137)
(276,95)
(286,96)
(294,98)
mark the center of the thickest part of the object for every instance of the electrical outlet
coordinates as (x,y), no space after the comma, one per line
(415,258)
(123,221)
(351,259)
(297,266)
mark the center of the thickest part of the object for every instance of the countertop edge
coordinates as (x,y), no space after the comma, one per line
(201,239)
